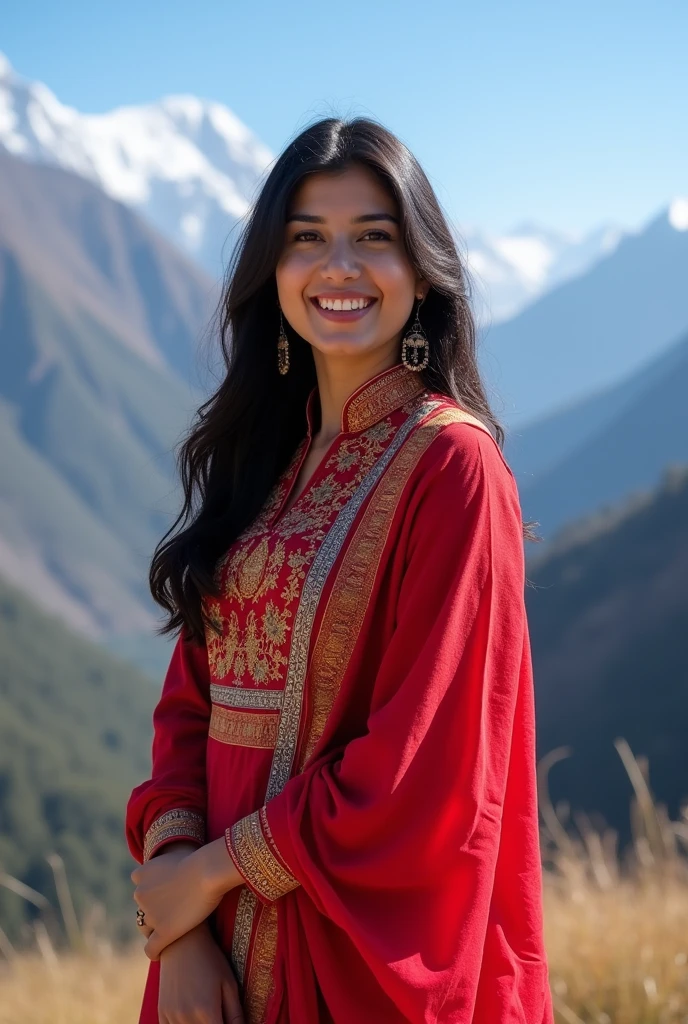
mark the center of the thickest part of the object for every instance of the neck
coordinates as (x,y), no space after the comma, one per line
(338,378)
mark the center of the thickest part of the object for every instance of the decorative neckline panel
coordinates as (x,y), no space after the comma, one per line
(372,401)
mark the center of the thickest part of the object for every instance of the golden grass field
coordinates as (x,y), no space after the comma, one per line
(617,933)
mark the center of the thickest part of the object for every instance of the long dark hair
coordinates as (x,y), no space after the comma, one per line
(244,435)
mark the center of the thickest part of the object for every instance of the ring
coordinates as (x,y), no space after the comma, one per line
(140,918)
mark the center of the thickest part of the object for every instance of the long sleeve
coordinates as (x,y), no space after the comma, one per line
(171,805)
(397,839)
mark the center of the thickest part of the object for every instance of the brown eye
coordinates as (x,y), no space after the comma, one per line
(382,236)
(300,236)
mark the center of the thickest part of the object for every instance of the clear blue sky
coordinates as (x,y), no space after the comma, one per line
(569,114)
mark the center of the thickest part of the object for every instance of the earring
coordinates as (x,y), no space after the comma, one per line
(282,349)
(415,347)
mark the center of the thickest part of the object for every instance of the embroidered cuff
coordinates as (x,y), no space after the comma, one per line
(252,848)
(179,823)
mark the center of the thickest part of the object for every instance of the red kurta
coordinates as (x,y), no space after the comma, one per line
(363,733)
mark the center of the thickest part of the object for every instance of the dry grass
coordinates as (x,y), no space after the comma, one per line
(76,989)
(616,931)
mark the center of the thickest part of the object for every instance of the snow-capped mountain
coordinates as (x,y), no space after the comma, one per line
(191,167)
(512,270)
(187,164)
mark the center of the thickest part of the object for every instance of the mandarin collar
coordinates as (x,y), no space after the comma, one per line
(376,398)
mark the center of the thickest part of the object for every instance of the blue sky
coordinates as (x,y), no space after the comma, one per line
(566,114)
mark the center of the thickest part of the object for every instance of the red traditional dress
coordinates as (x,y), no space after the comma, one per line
(362,732)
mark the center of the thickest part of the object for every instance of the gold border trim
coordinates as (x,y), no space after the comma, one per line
(243,728)
(243,926)
(180,823)
(256,858)
(380,397)
(262,963)
(242,697)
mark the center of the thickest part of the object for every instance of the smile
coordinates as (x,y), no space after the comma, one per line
(349,308)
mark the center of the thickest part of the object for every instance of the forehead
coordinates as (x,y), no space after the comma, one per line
(355,190)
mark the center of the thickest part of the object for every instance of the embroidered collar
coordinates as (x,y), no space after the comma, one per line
(377,398)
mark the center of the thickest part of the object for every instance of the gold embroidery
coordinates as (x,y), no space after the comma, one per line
(243,728)
(260,981)
(178,823)
(256,860)
(241,697)
(290,720)
(243,926)
(255,566)
(380,397)
(255,650)
(353,585)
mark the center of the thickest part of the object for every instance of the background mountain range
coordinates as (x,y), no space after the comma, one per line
(114,230)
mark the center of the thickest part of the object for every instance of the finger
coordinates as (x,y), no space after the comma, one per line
(154,946)
(146,930)
(231,1007)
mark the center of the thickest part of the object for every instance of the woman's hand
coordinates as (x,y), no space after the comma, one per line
(197,982)
(178,893)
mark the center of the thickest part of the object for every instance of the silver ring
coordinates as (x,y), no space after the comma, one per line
(140,917)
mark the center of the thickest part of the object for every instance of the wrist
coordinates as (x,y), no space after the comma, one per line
(220,873)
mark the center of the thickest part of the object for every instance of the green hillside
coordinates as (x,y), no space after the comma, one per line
(608,611)
(74,738)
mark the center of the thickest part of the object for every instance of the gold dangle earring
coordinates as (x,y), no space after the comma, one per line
(282,349)
(415,347)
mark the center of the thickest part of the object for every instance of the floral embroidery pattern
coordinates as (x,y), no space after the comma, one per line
(258,579)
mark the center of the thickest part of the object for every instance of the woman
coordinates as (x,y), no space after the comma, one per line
(341,821)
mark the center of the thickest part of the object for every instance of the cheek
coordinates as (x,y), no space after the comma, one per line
(393,276)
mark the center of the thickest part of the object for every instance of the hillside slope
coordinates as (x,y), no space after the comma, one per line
(75,729)
(606,448)
(608,610)
(590,332)
(99,324)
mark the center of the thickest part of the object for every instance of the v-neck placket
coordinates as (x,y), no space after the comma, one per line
(375,399)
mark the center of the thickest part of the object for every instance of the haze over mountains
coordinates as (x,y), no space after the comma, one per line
(191,167)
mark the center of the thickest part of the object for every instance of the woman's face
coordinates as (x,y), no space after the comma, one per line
(343,250)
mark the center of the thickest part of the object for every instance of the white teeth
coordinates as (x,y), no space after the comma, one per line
(343,304)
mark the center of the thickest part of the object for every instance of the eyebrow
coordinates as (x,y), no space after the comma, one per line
(310,218)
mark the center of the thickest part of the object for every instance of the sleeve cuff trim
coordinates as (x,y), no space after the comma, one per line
(179,823)
(255,853)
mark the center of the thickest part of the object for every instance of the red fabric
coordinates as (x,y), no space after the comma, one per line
(180,724)
(413,828)
(417,846)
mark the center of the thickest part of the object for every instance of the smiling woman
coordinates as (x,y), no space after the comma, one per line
(341,820)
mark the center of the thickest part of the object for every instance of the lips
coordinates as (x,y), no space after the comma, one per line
(344,315)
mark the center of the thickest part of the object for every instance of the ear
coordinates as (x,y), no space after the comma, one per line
(422,288)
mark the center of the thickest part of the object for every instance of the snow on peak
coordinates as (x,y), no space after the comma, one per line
(678,213)
(189,165)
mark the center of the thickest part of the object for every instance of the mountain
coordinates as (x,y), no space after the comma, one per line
(191,168)
(590,332)
(607,609)
(100,319)
(189,165)
(75,735)
(513,269)
(606,447)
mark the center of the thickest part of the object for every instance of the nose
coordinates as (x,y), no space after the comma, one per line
(340,263)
